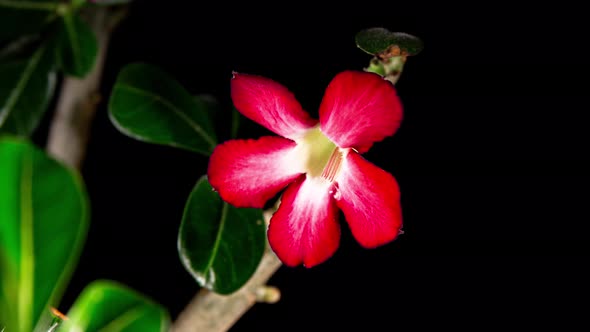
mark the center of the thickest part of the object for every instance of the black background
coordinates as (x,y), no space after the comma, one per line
(492,161)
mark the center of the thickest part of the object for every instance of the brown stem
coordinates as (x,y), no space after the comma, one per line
(211,312)
(79,98)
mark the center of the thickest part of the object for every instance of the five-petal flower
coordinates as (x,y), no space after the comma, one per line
(318,162)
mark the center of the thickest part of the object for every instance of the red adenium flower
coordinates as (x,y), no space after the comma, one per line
(319,163)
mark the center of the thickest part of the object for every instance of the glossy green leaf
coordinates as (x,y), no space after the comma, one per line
(107,306)
(26,88)
(80,3)
(111,2)
(220,245)
(148,105)
(20,17)
(379,40)
(43,223)
(77,46)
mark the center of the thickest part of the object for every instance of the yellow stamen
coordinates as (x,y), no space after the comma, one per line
(58,314)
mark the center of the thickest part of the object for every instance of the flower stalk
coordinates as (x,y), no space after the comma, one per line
(389,67)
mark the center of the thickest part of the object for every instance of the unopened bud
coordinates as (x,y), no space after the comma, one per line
(268,294)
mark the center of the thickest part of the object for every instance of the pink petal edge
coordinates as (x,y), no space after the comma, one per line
(370,200)
(270,104)
(305,228)
(359,109)
(247,173)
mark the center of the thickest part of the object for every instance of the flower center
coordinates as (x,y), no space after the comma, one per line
(321,157)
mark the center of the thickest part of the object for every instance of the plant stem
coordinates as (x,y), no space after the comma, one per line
(390,68)
(79,98)
(211,312)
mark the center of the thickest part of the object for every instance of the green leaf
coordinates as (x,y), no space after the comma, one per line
(79,3)
(26,88)
(43,223)
(209,104)
(19,48)
(220,245)
(77,46)
(20,17)
(107,306)
(378,41)
(111,2)
(148,105)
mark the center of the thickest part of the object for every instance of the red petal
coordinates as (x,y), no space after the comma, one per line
(370,200)
(270,104)
(305,228)
(247,173)
(359,109)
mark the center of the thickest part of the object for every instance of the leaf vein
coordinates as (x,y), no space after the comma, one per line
(17,91)
(217,242)
(27,258)
(21,4)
